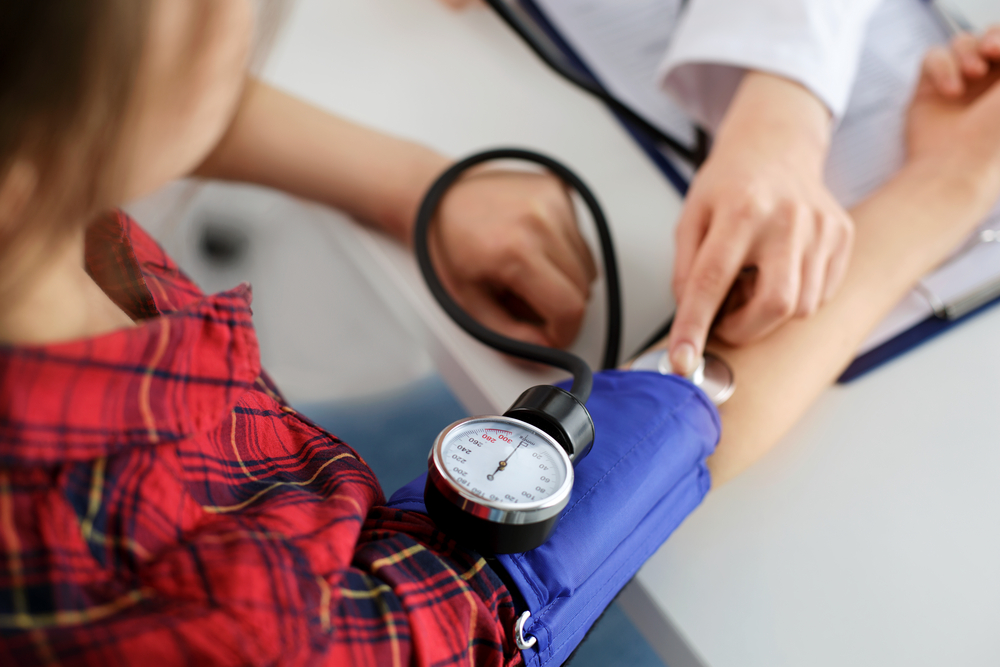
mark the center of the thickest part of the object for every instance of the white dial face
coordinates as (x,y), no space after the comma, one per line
(503,463)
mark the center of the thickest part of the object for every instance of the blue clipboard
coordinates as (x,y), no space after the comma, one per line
(887,351)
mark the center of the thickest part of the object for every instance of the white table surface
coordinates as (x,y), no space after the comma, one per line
(869,536)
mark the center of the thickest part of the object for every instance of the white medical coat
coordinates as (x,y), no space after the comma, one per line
(816,43)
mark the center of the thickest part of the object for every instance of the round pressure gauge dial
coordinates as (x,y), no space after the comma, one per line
(497,484)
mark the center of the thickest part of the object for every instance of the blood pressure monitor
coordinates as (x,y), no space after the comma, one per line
(498,484)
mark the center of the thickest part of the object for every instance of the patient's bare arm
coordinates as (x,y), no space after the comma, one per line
(951,179)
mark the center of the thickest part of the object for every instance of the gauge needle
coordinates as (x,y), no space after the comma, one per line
(503,464)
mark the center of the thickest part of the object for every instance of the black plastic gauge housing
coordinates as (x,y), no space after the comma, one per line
(486,537)
(558,413)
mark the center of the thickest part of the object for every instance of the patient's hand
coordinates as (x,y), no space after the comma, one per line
(967,60)
(508,250)
(955,113)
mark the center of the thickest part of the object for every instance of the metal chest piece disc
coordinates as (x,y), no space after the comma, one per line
(713,376)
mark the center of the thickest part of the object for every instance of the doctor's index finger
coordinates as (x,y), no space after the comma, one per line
(688,236)
(716,265)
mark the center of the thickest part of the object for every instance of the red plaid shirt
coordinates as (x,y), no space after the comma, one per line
(161,504)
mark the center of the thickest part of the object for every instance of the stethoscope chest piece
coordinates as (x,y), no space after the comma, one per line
(713,376)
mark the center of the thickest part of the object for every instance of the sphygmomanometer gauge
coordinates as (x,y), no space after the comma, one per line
(497,482)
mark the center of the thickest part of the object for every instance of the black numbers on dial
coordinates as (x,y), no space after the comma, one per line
(496,465)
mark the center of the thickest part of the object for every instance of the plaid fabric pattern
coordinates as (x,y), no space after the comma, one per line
(161,504)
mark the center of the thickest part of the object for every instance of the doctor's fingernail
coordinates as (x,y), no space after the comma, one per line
(684,360)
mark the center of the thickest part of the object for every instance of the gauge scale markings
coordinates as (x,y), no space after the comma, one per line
(501,466)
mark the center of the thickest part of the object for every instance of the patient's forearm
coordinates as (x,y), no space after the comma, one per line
(903,231)
(282,142)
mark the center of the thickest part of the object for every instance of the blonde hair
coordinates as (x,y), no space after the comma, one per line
(67,71)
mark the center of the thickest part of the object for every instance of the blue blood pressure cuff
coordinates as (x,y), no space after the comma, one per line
(644,475)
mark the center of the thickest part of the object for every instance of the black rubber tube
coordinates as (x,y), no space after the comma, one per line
(582,377)
(694,155)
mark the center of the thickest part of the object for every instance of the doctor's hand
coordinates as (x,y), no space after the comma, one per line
(507,248)
(760,239)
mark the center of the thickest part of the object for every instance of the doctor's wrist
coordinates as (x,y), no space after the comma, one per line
(782,120)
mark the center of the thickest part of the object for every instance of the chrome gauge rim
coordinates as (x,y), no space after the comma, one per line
(499,512)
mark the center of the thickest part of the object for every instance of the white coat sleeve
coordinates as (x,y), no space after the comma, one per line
(816,43)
